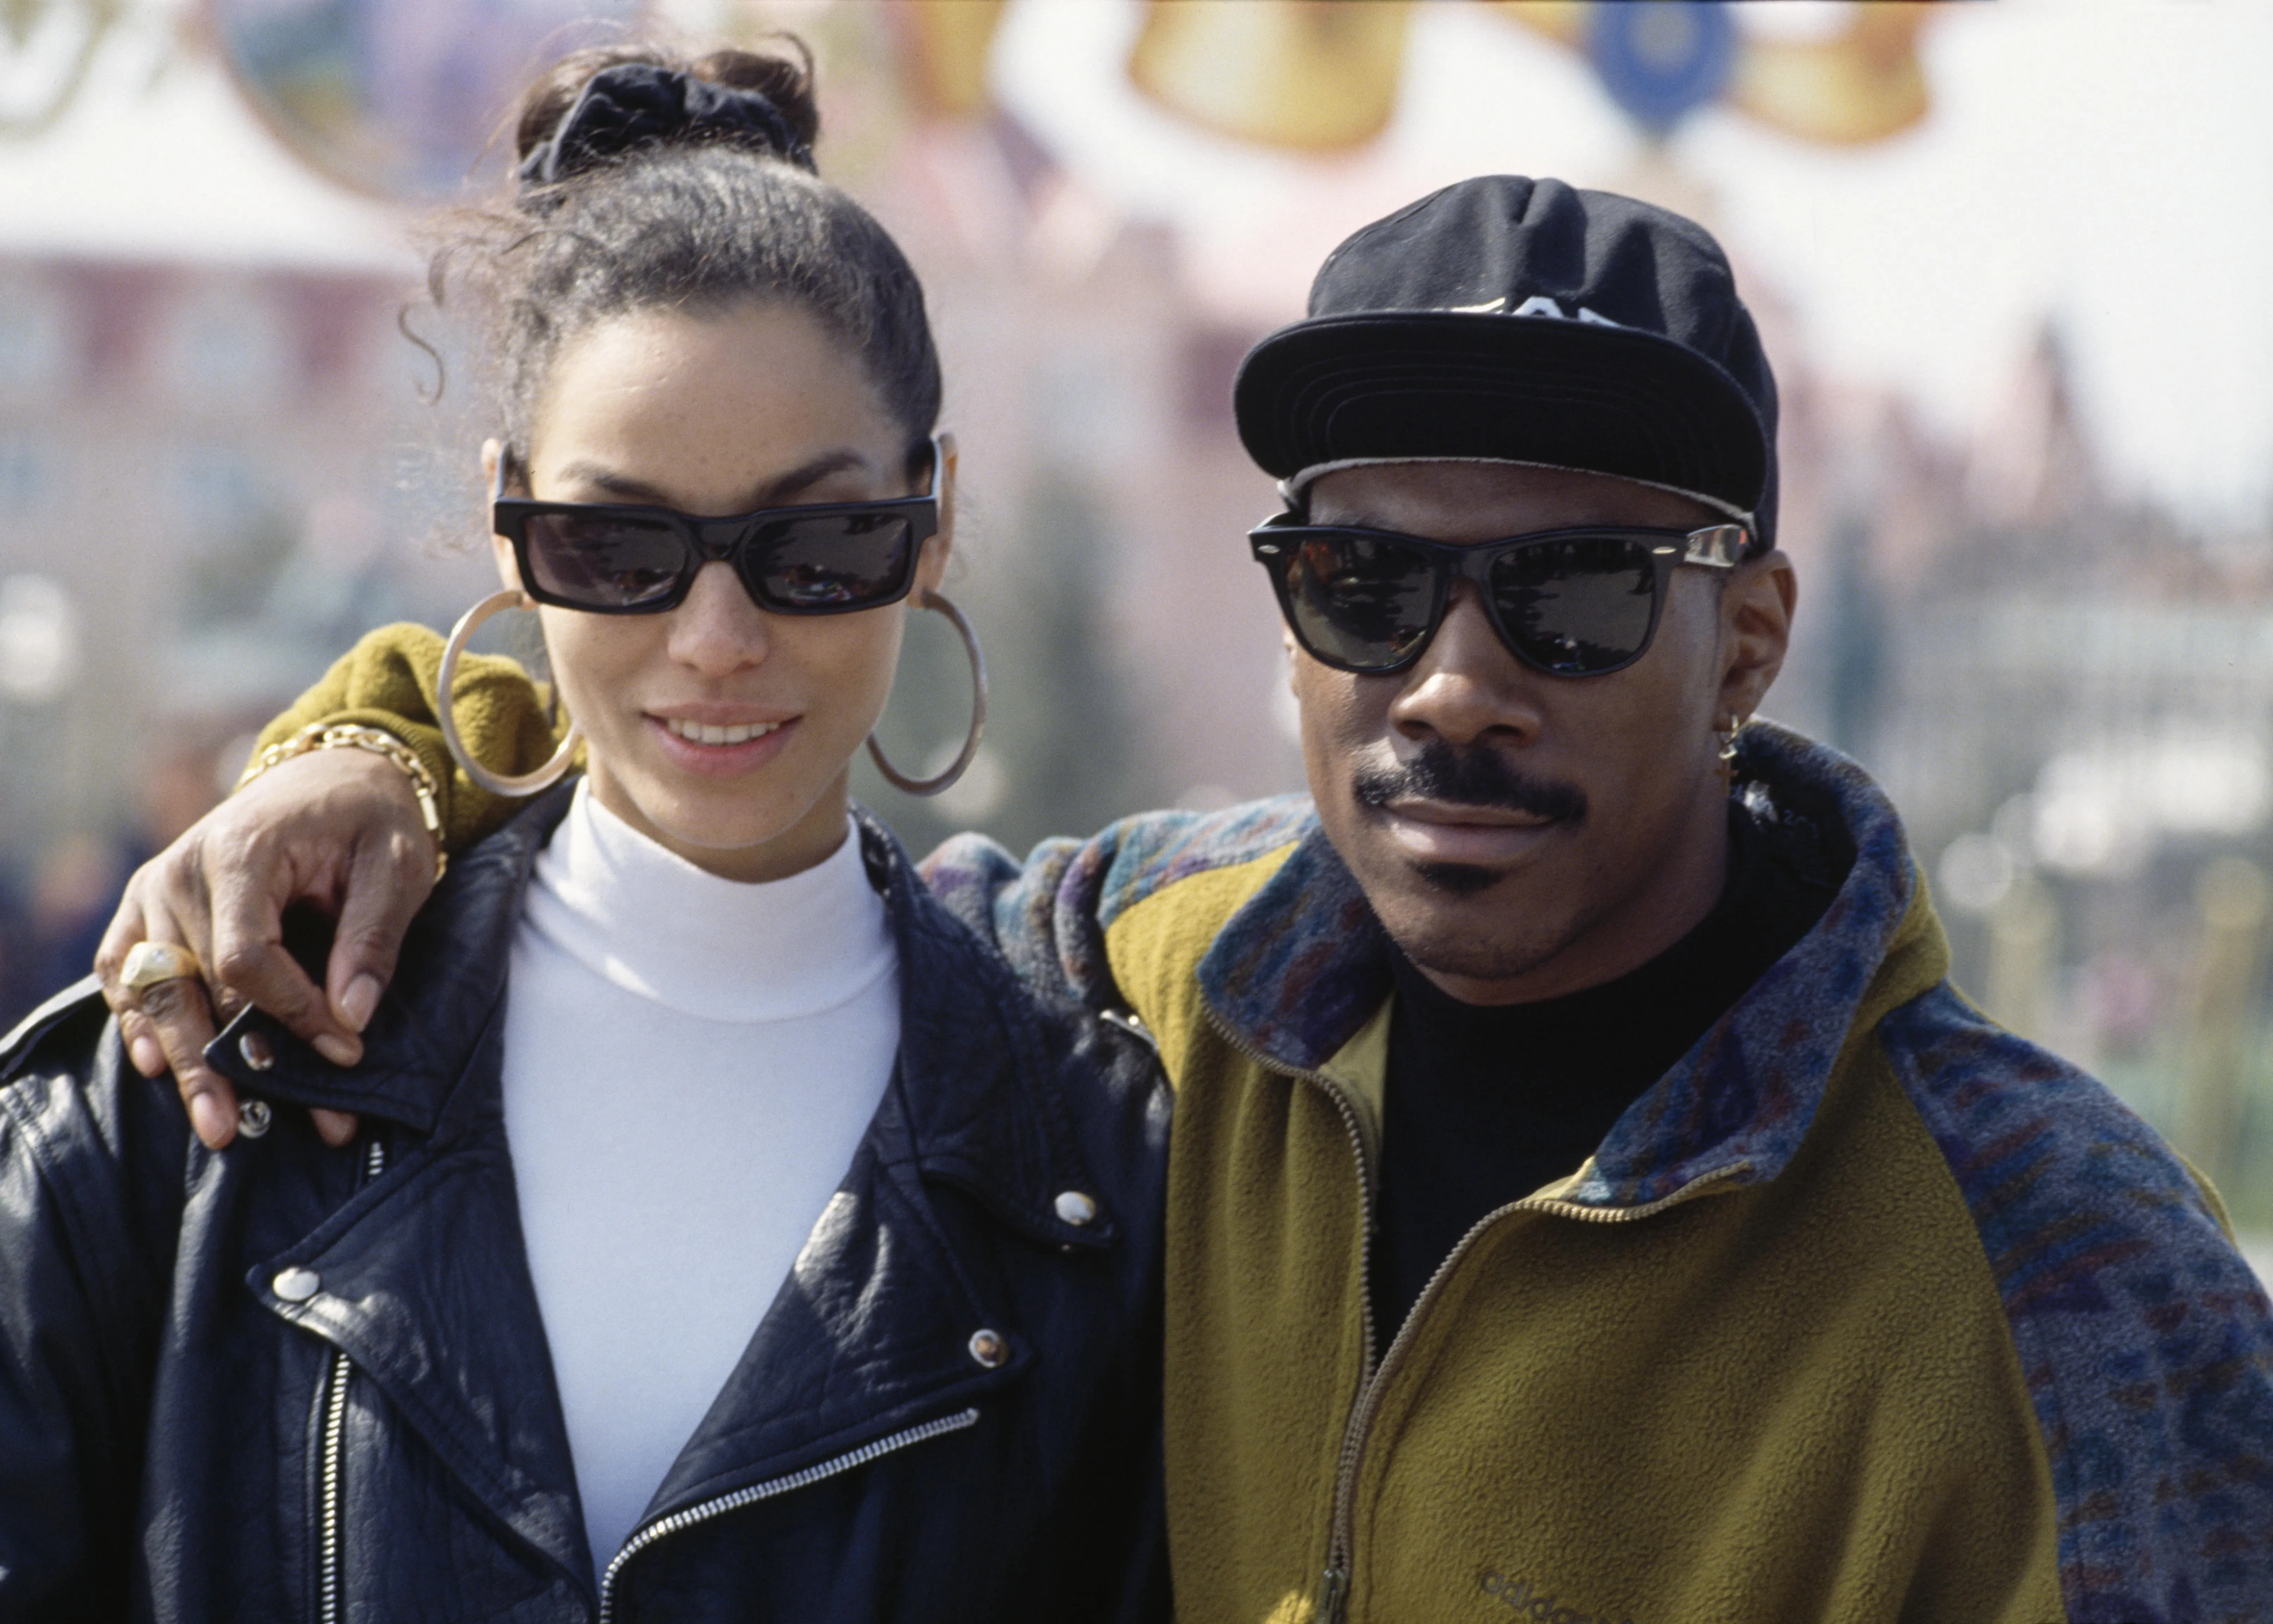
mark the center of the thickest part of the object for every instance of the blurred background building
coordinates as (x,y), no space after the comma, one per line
(2009,262)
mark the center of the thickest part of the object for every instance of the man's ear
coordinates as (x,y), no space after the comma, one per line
(1757,604)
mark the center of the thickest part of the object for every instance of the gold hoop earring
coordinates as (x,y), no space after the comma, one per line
(508,785)
(961,762)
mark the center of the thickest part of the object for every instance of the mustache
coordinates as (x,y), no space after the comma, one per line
(1468,778)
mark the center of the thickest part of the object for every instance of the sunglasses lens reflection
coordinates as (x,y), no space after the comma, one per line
(1360,601)
(1577,606)
(823,561)
(606,560)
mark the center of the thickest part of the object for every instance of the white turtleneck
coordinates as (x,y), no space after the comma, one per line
(690,1063)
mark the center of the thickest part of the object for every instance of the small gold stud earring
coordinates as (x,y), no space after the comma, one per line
(1728,737)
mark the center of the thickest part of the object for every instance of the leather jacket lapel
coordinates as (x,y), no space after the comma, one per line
(423,1284)
(981,1096)
(873,1332)
(877,1328)
(422,1277)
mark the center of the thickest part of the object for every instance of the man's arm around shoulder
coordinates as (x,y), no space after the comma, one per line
(1054,917)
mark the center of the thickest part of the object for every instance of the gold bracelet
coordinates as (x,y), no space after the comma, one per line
(349,735)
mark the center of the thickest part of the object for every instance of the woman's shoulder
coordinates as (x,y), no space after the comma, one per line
(55,1054)
(72,1108)
(76,1001)
(92,1171)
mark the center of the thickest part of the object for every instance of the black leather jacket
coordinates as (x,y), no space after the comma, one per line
(283,1382)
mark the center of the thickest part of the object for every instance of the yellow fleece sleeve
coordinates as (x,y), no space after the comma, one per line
(2211,1197)
(388,680)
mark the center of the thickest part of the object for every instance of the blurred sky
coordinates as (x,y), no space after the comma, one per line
(2107,163)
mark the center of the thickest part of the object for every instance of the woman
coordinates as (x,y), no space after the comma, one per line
(846,1306)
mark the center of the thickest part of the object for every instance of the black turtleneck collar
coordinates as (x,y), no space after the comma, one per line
(1486,1104)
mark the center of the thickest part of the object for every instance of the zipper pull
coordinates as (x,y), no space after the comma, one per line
(1330,1605)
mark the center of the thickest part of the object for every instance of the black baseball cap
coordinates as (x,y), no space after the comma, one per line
(1519,321)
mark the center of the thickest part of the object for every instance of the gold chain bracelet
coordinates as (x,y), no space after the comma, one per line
(349,735)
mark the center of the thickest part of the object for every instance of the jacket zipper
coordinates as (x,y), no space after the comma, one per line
(1127,1020)
(1369,1395)
(1335,1582)
(753,1494)
(330,1531)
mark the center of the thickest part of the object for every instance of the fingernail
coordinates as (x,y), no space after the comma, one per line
(214,1125)
(148,1054)
(360,999)
(338,1050)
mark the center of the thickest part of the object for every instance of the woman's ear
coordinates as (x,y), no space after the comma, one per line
(508,567)
(933,569)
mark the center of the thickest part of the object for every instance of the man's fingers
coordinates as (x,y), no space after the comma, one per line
(249,963)
(127,926)
(264,974)
(334,1128)
(141,1015)
(141,1039)
(184,1022)
(386,884)
(331,827)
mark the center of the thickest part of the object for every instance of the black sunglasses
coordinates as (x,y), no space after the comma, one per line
(1576,602)
(620,558)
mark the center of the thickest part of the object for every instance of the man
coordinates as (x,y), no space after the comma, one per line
(1589,1200)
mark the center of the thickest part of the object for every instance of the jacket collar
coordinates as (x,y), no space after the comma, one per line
(983,1102)
(982,1110)
(1302,966)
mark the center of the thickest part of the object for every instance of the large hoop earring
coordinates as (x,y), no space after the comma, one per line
(512,787)
(961,762)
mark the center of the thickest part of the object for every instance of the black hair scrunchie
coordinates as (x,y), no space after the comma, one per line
(635,103)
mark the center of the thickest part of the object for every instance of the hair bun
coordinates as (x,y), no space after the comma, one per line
(631,104)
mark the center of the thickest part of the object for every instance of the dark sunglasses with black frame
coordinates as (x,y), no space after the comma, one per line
(624,559)
(1583,602)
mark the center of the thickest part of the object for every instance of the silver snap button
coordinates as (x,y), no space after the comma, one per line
(255,1048)
(988,1349)
(1075,1208)
(297,1286)
(253,1117)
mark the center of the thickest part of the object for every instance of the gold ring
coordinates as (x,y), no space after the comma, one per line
(148,964)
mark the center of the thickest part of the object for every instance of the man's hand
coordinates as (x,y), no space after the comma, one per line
(337,828)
